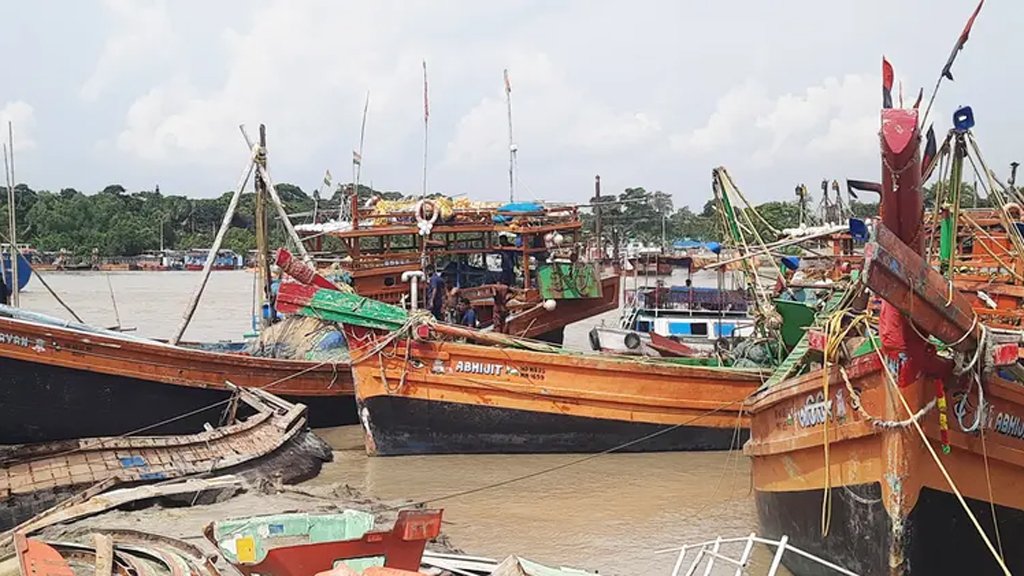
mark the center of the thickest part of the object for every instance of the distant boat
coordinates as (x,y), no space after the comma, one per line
(24,271)
(225,260)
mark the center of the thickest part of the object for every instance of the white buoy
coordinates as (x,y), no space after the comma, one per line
(550,304)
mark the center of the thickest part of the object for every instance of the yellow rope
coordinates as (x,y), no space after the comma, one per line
(988,481)
(942,468)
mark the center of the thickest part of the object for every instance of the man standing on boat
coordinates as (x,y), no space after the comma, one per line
(435,295)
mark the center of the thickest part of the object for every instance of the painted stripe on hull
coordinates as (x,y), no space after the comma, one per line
(939,538)
(42,403)
(403,426)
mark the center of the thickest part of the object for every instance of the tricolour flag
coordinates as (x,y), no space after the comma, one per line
(947,69)
(327,179)
(357,158)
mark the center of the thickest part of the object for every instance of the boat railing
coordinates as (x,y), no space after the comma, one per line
(723,553)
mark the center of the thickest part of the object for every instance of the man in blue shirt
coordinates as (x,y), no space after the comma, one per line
(466,314)
(435,295)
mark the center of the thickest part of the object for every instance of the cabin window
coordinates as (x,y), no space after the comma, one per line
(699,329)
(643,326)
(389,281)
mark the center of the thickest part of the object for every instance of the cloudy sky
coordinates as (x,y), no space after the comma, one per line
(646,93)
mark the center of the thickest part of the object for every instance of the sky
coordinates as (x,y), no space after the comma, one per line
(645,93)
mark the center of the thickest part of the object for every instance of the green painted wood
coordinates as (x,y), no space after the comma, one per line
(564,281)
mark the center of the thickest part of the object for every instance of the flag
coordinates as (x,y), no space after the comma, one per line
(947,69)
(426,103)
(920,95)
(508,84)
(930,149)
(887,76)
(357,158)
(327,179)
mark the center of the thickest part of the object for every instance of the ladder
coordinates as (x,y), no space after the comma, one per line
(715,551)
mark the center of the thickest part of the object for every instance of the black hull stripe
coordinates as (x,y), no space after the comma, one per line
(403,426)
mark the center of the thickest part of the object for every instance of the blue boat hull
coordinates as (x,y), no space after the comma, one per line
(24,272)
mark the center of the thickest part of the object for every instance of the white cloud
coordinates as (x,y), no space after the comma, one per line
(732,116)
(22,117)
(144,36)
(551,116)
(832,118)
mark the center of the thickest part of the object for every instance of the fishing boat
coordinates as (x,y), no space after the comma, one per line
(61,380)
(855,453)
(698,317)
(388,246)
(224,260)
(433,393)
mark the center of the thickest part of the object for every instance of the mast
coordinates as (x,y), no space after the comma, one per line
(597,216)
(426,130)
(512,148)
(357,161)
(13,220)
(262,235)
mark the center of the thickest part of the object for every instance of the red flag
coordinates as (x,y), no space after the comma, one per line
(508,84)
(426,103)
(947,69)
(887,77)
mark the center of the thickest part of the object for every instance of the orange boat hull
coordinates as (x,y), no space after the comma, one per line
(892,512)
(446,397)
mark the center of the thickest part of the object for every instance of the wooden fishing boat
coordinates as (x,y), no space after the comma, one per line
(532,249)
(61,380)
(854,456)
(34,477)
(438,396)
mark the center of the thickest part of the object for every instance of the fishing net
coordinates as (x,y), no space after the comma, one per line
(302,338)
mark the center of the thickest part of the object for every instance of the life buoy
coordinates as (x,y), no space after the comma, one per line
(1013,210)
(632,340)
(426,224)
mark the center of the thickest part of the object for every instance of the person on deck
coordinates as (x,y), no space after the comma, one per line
(435,294)
(466,314)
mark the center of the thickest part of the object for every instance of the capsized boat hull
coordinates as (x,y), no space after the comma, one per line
(450,397)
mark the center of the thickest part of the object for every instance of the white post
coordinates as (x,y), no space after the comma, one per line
(212,254)
(413,277)
(777,561)
(746,554)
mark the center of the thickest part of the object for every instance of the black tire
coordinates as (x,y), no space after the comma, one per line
(595,340)
(632,341)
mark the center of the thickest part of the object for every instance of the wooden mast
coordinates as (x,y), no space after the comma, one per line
(13,220)
(262,237)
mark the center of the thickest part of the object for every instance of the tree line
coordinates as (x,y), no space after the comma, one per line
(115,222)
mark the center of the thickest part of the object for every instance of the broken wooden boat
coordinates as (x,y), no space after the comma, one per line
(856,454)
(308,544)
(273,439)
(61,380)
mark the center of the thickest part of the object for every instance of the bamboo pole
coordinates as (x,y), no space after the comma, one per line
(16,289)
(212,254)
(281,212)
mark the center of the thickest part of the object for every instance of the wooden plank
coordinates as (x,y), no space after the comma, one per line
(908,282)
(104,554)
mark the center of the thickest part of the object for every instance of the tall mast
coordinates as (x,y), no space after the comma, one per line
(262,234)
(512,149)
(426,127)
(13,219)
(357,156)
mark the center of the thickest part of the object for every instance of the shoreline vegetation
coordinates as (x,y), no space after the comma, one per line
(116,225)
